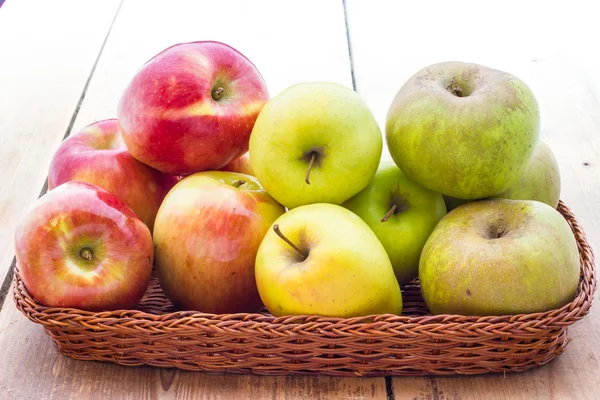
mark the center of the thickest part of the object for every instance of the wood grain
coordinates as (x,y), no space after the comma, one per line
(48,50)
(289,42)
(277,40)
(563,75)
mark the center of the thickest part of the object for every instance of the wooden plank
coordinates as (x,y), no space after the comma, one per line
(562,72)
(276,38)
(31,368)
(48,50)
(274,35)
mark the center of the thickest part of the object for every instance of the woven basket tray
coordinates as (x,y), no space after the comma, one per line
(415,343)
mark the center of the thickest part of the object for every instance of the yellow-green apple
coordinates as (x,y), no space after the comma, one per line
(191,107)
(206,236)
(463,130)
(315,143)
(241,164)
(402,214)
(81,247)
(98,155)
(499,257)
(323,259)
(541,180)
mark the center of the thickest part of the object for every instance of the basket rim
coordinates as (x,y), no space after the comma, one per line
(177,320)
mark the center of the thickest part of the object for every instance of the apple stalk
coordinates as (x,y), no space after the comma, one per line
(310,164)
(389,213)
(288,241)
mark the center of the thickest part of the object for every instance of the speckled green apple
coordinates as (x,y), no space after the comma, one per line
(463,130)
(315,143)
(541,180)
(402,214)
(499,257)
(323,259)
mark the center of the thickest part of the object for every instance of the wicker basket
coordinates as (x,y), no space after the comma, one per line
(415,343)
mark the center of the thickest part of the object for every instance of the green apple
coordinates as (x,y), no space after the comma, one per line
(323,259)
(315,143)
(402,214)
(463,130)
(499,257)
(541,180)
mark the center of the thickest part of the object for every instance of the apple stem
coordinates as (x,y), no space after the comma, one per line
(239,183)
(389,213)
(455,89)
(288,241)
(310,164)
(500,232)
(217,93)
(86,254)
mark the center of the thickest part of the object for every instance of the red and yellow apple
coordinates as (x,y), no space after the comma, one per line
(82,247)
(241,164)
(206,236)
(97,155)
(192,107)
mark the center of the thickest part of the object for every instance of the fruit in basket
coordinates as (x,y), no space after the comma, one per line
(315,143)
(402,214)
(499,257)
(241,164)
(81,247)
(463,130)
(206,235)
(541,180)
(323,259)
(191,107)
(97,155)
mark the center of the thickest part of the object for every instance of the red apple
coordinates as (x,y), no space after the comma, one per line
(192,107)
(206,237)
(98,155)
(241,164)
(82,247)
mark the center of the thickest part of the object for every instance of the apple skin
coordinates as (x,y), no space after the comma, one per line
(404,233)
(241,165)
(328,119)
(347,272)
(172,117)
(541,180)
(532,267)
(470,146)
(206,236)
(97,155)
(60,225)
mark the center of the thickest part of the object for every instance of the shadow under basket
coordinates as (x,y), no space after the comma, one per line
(415,343)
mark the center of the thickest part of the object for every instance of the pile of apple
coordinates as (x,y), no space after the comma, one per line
(310,222)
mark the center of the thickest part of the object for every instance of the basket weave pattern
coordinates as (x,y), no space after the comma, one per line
(415,343)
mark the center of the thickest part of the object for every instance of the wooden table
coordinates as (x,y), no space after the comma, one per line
(63,65)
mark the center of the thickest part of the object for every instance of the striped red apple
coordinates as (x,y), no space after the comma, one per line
(81,247)
(97,155)
(192,107)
